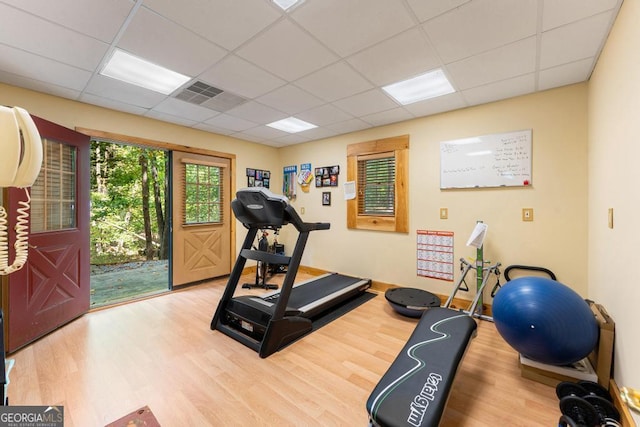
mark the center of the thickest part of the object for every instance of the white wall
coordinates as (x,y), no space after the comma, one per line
(614,174)
(556,239)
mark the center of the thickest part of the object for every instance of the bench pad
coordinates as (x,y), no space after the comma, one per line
(415,388)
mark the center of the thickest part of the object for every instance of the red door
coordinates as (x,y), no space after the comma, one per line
(53,286)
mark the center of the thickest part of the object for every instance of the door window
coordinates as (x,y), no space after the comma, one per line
(53,195)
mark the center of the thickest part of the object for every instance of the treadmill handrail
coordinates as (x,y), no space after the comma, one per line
(257,207)
(265,256)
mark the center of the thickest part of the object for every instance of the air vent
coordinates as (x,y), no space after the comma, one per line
(211,97)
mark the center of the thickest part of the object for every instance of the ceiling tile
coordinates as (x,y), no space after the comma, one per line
(50,40)
(265,132)
(213,129)
(582,39)
(257,113)
(286,51)
(340,24)
(324,61)
(324,115)
(252,138)
(232,123)
(170,118)
(102,20)
(505,62)
(369,102)
(38,86)
(36,67)
(480,26)
(112,104)
(165,43)
(241,77)
(347,126)
(401,57)
(291,139)
(501,90)
(557,13)
(319,133)
(390,116)
(566,74)
(290,99)
(184,109)
(437,105)
(336,81)
(123,92)
(226,23)
(426,10)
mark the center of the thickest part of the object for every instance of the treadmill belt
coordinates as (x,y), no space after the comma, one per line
(315,290)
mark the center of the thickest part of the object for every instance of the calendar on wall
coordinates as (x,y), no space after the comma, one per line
(435,254)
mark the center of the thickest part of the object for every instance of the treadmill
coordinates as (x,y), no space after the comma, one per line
(268,322)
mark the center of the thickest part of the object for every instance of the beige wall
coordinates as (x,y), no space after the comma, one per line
(556,239)
(614,174)
(73,114)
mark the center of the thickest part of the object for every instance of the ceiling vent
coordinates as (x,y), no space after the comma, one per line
(211,97)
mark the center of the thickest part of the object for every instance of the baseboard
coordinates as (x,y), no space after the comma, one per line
(382,287)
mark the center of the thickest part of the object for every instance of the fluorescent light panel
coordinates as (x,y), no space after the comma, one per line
(292,125)
(285,4)
(130,69)
(425,86)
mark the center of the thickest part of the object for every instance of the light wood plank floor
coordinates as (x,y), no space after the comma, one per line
(160,352)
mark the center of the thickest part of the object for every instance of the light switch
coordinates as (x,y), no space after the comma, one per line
(444,213)
(527,214)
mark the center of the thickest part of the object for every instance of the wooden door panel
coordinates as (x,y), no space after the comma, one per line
(53,287)
(200,250)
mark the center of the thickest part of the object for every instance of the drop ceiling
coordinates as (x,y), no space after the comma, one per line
(322,61)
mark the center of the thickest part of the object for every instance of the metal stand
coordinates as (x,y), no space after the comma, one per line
(482,273)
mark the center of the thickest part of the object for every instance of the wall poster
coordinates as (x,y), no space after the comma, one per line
(435,254)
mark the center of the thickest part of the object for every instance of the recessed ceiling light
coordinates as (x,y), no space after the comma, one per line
(285,4)
(130,69)
(425,86)
(292,125)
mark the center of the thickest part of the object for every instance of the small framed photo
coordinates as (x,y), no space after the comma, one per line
(326,198)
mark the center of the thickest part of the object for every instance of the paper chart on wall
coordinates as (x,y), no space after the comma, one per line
(435,254)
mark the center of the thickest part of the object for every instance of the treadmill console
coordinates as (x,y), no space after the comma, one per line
(258,207)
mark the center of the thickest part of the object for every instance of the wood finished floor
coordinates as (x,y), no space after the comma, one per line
(160,352)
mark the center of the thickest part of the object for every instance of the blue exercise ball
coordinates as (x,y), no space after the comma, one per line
(545,320)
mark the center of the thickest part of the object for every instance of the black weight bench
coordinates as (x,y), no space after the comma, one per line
(415,388)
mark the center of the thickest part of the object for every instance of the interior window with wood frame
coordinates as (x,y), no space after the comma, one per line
(380,170)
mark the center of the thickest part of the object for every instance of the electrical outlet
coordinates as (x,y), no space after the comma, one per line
(444,213)
(527,214)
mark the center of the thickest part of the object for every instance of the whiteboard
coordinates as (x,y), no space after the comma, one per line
(497,160)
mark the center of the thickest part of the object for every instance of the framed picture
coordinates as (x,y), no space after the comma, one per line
(258,177)
(326,198)
(327,176)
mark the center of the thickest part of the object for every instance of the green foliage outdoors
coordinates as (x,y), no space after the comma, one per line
(117,223)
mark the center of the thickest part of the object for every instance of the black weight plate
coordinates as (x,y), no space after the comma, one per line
(595,388)
(566,388)
(604,408)
(566,421)
(579,410)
